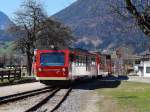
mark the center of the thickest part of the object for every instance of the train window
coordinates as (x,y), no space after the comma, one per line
(84,59)
(77,60)
(34,59)
(80,60)
(102,59)
(71,57)
(89,60)
(147,69)
(52,59)
(77,57)
(93,61)
(93,58)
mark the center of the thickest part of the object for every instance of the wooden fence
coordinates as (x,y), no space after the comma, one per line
(10,74)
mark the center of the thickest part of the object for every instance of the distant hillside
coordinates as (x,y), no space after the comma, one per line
(95,26)
(6,47)
(5,22)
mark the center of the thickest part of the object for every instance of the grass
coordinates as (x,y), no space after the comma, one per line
(127,97)
(13,82)
(7,82)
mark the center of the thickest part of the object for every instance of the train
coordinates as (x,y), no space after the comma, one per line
(60,66)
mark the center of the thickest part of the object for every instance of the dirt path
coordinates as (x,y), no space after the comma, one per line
(91,99)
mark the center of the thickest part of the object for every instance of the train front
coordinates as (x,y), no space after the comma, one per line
(51,66)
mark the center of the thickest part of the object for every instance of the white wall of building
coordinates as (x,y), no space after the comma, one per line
(144,69)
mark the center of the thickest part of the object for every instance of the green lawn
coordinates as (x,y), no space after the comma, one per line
(18,81)
(127,97)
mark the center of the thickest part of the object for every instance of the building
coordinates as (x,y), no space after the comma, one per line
(125,64)
(143,69)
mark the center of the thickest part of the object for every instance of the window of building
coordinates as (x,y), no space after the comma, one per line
(147,69)
(137,62)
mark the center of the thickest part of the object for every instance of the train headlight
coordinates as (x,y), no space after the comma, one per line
(40,69)
(63,69)
(35,52)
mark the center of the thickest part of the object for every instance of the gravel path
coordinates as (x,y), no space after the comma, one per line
(139,79)
(9,90)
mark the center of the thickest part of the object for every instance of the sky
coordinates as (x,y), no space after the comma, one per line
(51,6)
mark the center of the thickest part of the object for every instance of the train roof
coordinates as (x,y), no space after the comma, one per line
(73,50)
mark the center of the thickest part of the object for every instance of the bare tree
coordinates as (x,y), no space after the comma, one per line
(35,30)
(27,20)
(141,15)
(55,33)
(139,10)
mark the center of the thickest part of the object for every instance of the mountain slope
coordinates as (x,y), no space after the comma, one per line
(5,22)
(95,26)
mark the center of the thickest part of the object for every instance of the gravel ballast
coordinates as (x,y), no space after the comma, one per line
(81,99)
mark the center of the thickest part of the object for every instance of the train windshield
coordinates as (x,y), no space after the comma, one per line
(52,59)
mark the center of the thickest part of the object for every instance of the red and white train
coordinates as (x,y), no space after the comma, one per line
(50,66)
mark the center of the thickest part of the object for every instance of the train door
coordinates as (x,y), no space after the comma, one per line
(71,64)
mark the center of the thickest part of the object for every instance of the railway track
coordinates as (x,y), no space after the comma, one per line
(62,100)
(44,104)
(48,103)
(20,96)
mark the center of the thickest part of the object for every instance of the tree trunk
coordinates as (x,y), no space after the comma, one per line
(29,63)
(142,21)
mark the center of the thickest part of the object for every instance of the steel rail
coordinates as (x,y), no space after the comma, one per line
(43,101)
(62,100)
(20,96)
(47,98)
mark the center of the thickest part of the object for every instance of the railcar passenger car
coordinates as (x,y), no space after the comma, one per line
(68,65)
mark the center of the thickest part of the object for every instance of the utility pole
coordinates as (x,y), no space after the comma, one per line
(118,64)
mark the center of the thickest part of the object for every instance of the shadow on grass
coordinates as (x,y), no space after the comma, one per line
(127,97)
(93,84)
(119,78)
(89,84)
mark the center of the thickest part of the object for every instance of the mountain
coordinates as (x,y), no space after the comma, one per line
(5,22)
(95,25)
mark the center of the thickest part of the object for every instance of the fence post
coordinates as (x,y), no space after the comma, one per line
(9,72)
(2,76)
(19,73)
(15,74)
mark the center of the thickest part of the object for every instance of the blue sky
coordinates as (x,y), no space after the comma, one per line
(51,6)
